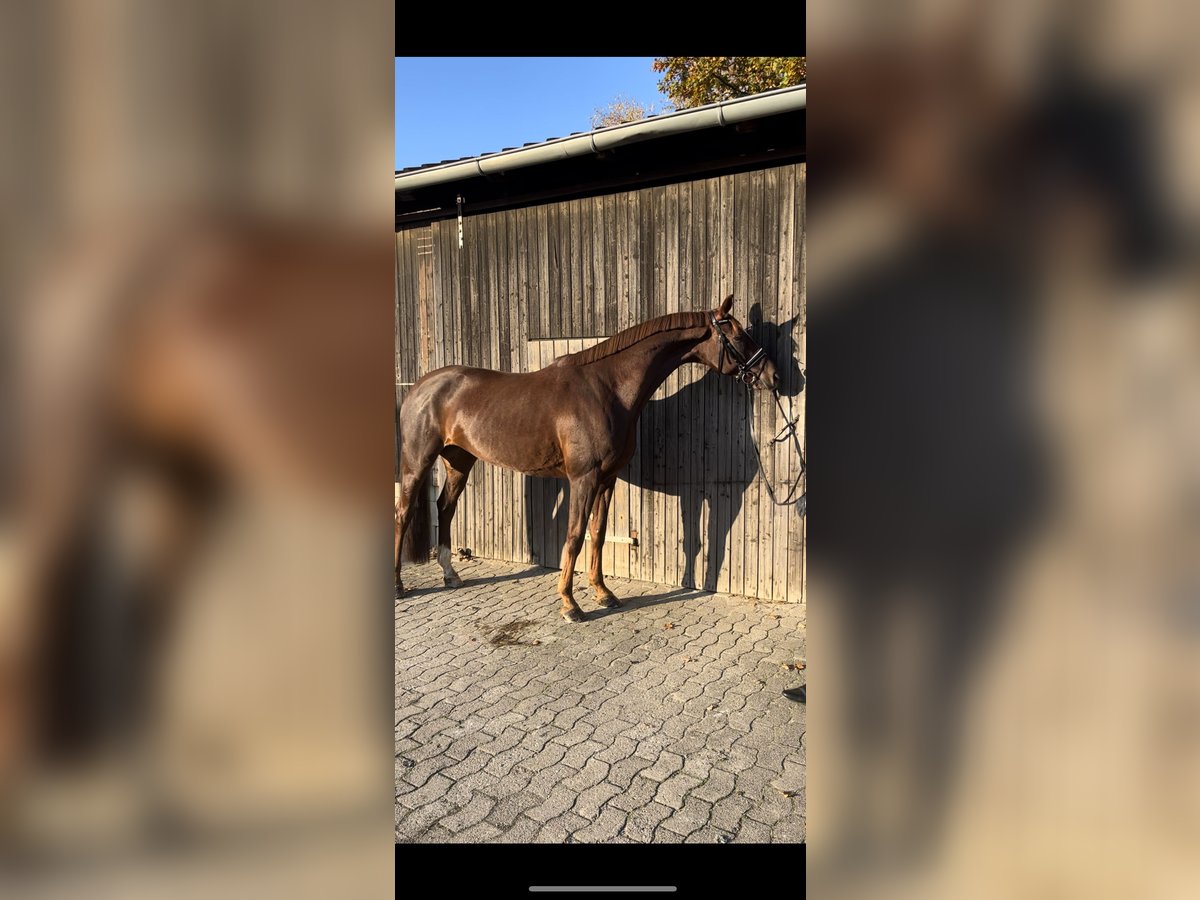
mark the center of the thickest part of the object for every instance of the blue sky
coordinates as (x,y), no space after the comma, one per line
(452,107)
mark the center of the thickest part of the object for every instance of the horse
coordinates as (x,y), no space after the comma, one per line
(687,478)
(575,419)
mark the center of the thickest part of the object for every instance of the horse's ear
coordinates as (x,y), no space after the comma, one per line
(726,305)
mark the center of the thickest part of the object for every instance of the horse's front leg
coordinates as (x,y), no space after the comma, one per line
(583,494)
(604,596)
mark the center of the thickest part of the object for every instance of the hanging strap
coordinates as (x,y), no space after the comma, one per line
(787,431)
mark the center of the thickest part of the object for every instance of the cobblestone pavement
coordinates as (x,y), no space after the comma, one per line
(661,721)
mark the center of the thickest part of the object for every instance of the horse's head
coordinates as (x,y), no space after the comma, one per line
(730,350)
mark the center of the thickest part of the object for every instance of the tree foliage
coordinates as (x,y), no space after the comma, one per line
(696,80)
(622,110)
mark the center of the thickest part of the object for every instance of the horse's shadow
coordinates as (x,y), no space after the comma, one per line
(689,476)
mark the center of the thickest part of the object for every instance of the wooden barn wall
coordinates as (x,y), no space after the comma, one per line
(531,284)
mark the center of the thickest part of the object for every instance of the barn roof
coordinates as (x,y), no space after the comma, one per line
(747,132)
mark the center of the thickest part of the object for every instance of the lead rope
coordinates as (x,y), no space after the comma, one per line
(787,431)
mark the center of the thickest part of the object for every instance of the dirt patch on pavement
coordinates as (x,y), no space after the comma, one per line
(509,635)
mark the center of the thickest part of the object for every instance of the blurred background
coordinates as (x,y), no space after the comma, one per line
(197,274)
(1004,419)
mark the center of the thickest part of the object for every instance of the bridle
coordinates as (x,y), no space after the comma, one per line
(745,365)
(747,376)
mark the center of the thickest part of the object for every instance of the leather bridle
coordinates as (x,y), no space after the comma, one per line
(747,376)
(745,365)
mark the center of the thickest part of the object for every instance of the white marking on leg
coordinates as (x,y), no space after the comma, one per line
(451,577)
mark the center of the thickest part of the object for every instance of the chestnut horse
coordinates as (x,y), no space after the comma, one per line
(574,419)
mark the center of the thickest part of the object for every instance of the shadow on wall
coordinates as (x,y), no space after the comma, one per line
(939,455)
(690,475)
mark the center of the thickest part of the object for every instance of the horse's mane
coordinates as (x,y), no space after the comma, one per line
(623,340)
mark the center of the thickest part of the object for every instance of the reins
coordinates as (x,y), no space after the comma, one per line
(788,430)
(747,376)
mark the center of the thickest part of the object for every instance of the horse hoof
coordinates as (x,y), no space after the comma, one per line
(573,615)
(608,601)
(399,591)
(452,581)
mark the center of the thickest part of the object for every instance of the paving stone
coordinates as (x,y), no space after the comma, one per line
(644,820)
(672,791)
(474,811)
(604,827)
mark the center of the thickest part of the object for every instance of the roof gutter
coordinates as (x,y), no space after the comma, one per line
(729,112)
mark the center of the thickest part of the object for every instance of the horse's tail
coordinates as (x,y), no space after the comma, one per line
(418,538)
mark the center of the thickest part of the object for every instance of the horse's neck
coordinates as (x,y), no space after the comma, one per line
(640,370)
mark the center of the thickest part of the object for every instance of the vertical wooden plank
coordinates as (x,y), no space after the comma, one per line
(493,263)
(752,479)
(441,277)
(505,288)
(687,427)
(615,275)
(536,526)
(501,301)
(789,267)
(706,481)
(570,307)
(399,313)
(602,248)
(440,280)
(651,223)
(521,307)
(446,264)
(578,251)
(529,248)
(541,228)
(477,333)
(612,252)
(465,340)
(561,489)
(669,425)
(650,298)
(784,216)
(400,299)
(723,527)
(459,353)
(735,402)
(632,293)
(767,411)
(634,286)
(425,301)
(476,336)
(554,270)
(462,337)
(692,288)
(593,247)
(567,298)
(514,303)
(799,593)
(539,223)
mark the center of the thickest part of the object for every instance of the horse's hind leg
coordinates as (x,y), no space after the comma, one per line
(413,500)
(458,467)
(583,494)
